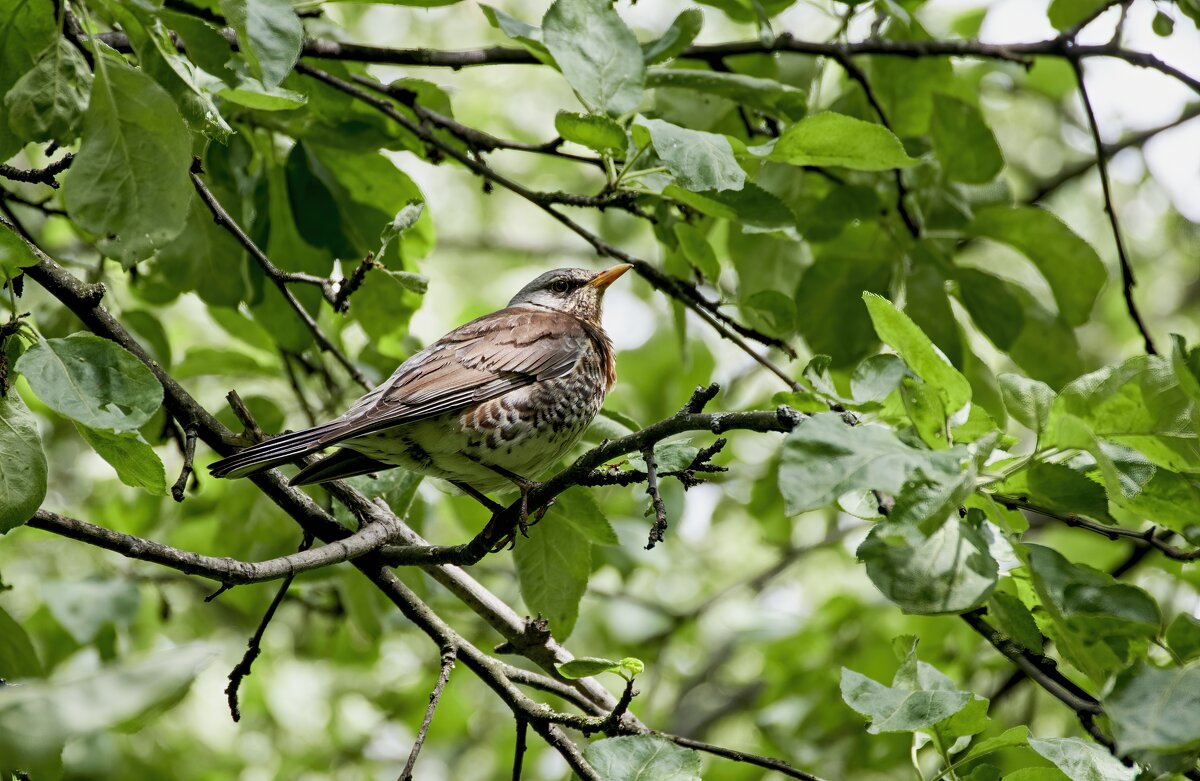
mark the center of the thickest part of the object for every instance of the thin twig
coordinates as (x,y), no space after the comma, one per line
(278,277)
(189,453)
(38,175)
(659,528)
(1147,538)
(341,300)
(1127,282)
(448,656)
(857,75)
(254,647)
(519,751)
(1136,140)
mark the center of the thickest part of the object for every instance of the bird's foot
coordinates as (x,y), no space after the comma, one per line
(526,487)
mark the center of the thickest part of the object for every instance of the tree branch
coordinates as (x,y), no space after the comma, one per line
(279,277)
(226,571)
(1127,282)
(448,656)
(1132,141)
(38,175)
(1148,538)
(254,646)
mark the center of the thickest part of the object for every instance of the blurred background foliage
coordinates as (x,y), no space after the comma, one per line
(746,614)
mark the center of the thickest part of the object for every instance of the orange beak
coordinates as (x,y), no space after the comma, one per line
(609,276)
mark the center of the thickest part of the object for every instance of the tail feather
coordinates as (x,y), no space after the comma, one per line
(275,451)
(343,463)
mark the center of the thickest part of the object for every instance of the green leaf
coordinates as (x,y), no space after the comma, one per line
(252,93)
(207,260)
(18,659)
(824,459)
(134,459)
(697,250)
(1068,263)
(1139,404)
(926,411)
(642,758)
(829,315)
(597,53)
(368,191)
(93,381)
(553,565)
(586,667)
(766,95)
(577,507)
(963,142)
(948,571)
(678,36)
(269,34)
(1098,623)
(993,306)
(1155,709)
(85,607)
(159,57)
(1183,637)
(39,717)
(1037,774)
(522,32)
(15,254)
(1064,14)
(877,376)
(129,184)
(752,207)
(48,102)
(1082,760)
(898,331)
(899,708)
(594,131)
(1013,618)
(22,463)
(27,28)
(829,139)
(1039,341)
(1058,487)
(699,161)
(404,220)
(1010,738)
(1027,400)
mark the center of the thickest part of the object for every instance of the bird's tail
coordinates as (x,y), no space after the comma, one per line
(275,451)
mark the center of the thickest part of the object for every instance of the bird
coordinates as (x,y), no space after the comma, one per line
(489,406)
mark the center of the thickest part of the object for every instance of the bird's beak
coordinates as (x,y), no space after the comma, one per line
(609,275)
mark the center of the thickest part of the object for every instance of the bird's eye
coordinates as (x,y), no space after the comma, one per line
(560,286)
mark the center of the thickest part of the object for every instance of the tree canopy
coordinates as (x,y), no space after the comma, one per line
(900,477)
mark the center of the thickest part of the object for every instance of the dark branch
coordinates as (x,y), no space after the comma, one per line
(229,572)
(656,503)
(38,175)
(1127,282)
(254,647)
(1132,141)
(1149,538)
(279,277)
(189,453)
(448,656)
(519,752)
(856,73)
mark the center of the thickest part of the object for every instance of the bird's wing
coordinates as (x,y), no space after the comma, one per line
(481,360)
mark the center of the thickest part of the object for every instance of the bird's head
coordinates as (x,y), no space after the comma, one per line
(576,291)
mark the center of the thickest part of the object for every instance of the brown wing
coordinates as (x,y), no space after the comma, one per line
(481,360)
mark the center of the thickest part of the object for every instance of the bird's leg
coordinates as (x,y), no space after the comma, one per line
(524,484)
(479,496)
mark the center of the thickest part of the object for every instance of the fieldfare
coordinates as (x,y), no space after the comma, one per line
(492,404)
